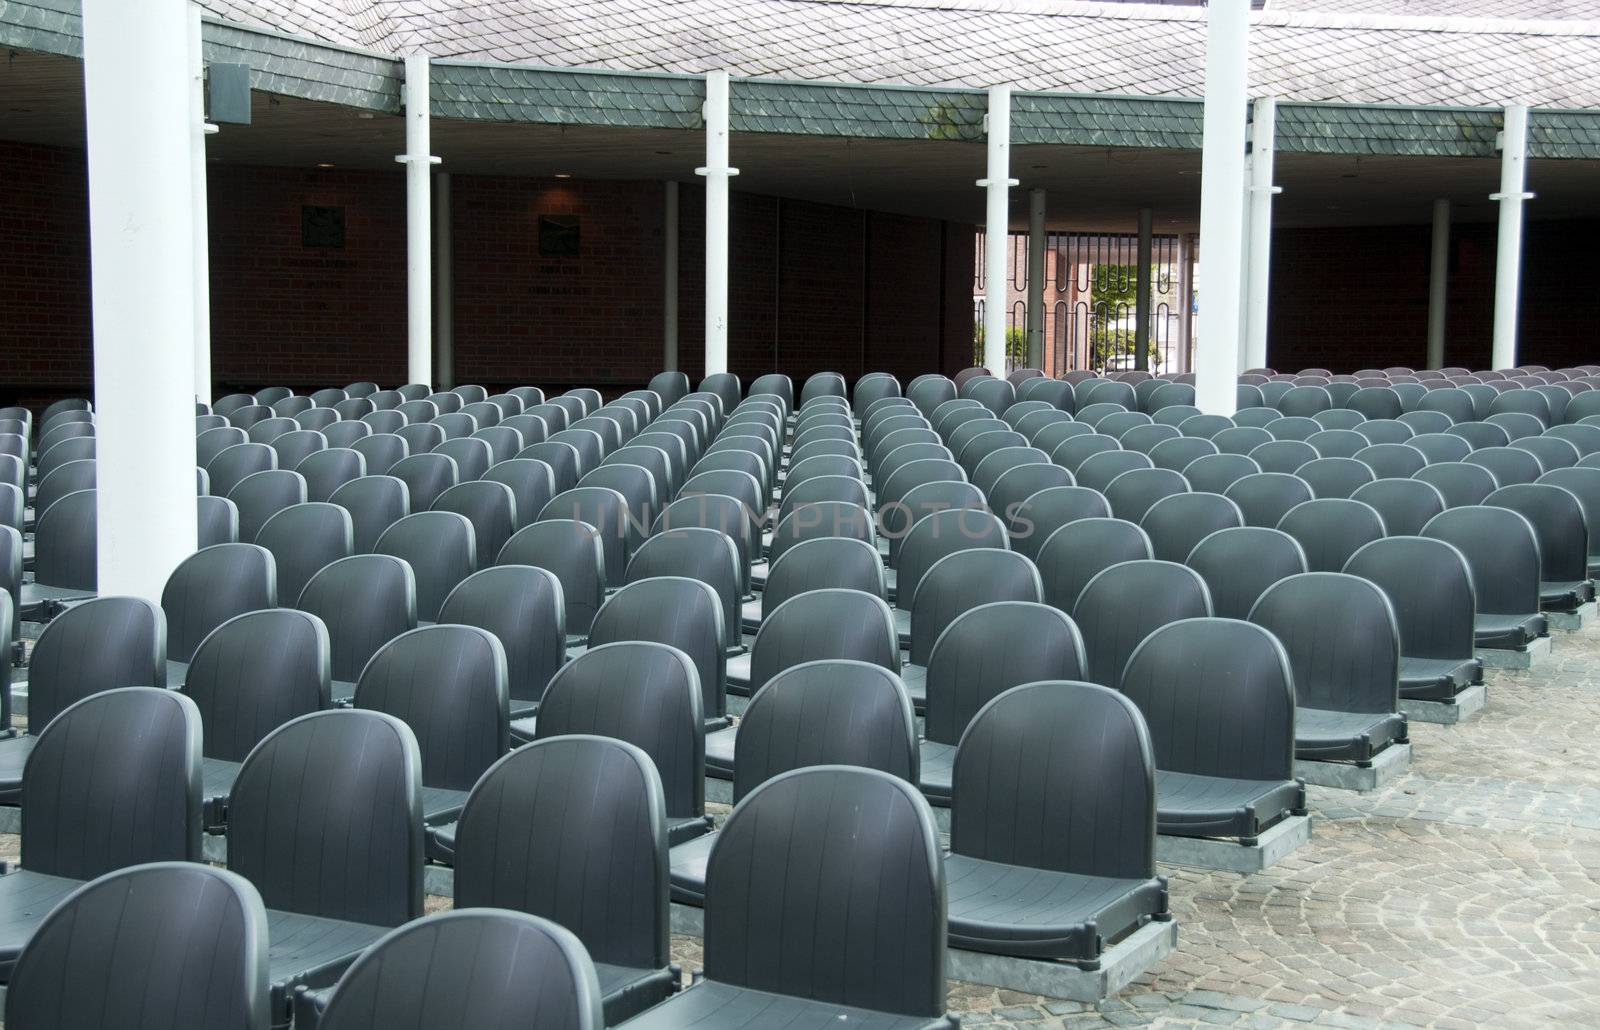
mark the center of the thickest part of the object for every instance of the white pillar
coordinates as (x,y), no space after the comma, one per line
(669,285)
(997,229)
(197,196)
(1262,190)
(1141,290)
(418,161)
(1037,241)
(717,173)
(1222,205)
(138,116)
(1508,254)
(444,274)
(1438,283)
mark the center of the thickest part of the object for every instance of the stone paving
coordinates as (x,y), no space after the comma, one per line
(1466,893)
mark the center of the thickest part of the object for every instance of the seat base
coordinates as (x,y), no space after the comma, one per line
(710,1005)
(1508,632)
(1120,965)
(1437,679)
(1532,654)
(1231,856)
(310,951)
(1197,805)
(1581,616)
(26,898)
(1325,736)
(1381,769)
(1448,712)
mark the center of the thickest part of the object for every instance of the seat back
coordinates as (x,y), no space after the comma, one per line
(826,862)
(375,503)
(1214,473)
(599,868)
(1018,483)
(645,694)
(1405,505)
(604,509)
(990,649)
(1133,493)
(532,484)
(1057,775)
(363,601)
(1239,564)
(1559,523)
(1077,553)
(62,480)
(327,470)
(441,549)
(382,451)
(471,456)
(66,543)
(256,672)
(1502,551)
(572,552)
(1429,586)
(1460,482)
(938,535)
(448,683)
(1127,602)
(1339,443)
(233,464)
(304,538)
(822,624)
(492,510)
(212,586)
(262,495)
(1331,529)
(959,582)
(719,512)
(1341,637)
(1337,477)
(1218,696)
(523,607)
(682,613)
(426,476)
(99,645)
(1177,523)
(831,562)
(699,554)
(1038,517)
(674,385)
(189,949)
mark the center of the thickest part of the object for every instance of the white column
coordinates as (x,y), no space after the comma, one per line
(444,274)
(197,196)
(418,161)
(1141,290)
(138,115)
(1508,254)
(1262,190)
(997,230)
(1438,283)
(1222,205)
(717,173)
(1037,240)
(669,285)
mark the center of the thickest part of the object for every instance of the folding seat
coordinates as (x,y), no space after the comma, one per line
(645,404)
(456,425)
(824,449)
(562,459)
(222,405)
(1581,407)
(1018,483)
(1098,470)
(896,976)
(268,430)
(895,482)
(671,386)
(1481,435)
(1133,493)
(713,511)
(955,584)
(554,416)
(1075,554)
(1174,414)
(1177,454)
(62,480)
(822,384)
(1460,482)
(294,447)
(1457,404)
(421,437)
(261,495)
(826,712)
(113,782)
(202,422)
(740,438)
(1385,431)
(1072,452)
(1339,418)
(899,517)
(995,394)
(1264,498)
(1172,395)
(385,420)
(1283,455)
(1502,553)
(1426,421)
(426,476)
(249,415)
(818,563)
(1304,401)
(413,391)
(208,445)
(1109,391)
(590,398)
(1144,438)
(1051,436)
(1562,530)
(99,645)
(1093,414)
(1430,589)
(1559,396)
(959,430)
(1290,428)
(1241,439)
(1020,410)
(1343,643)
(705,555)
(208,588)
(904,447)
(1552,452)
(931,538)
(878,427)
(822,465)
(1516,424)
(441,549)
(1038,517)
(1124,603)
(1331,529)
(232,464)
(683,613)
(719,463)
(930,391)
(1510,465)
(1119,423)
(523,607)
(1410,392)
(643,693)
(363,602)
(1337,477)
(491,508)
(1176,524)
(1218,697)
(688,426)
(1584,484)
(1439,447)
(1405,505)
(1338,443)
(448,402)
(289,407)
(317,419)
(1214,473)
(252,674)
(386,400)
(381,452)
(65,552)
(823,488)
(1586,438)
(1527,402)
(608,512)
(351,408)
(1376,402)
(84,448)
(979,447)
(472,457)
(325,471)
(828,623)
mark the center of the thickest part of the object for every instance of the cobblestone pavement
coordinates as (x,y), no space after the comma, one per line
(1464,894)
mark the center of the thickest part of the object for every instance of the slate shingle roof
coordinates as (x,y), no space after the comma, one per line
(1516,53)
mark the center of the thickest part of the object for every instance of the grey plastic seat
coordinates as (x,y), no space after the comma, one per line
(1098,470)
(386,421)
(1586,438)
(327,470)
(523,607)
(1019,483)
(1338,443)
(1502,552)
(659,464)
(1336,477)
(1552,452)
(363,602)
(233,464)
(1293,428)
(1241,439)
(448,684)
(1178,454)
(1427,421)
(269,429)
(294,447)
(250,675)
(998,462)
(1392,460)
(381,451)
(826,562)
(83,448)
(1063,894)
(1529,402)
(375,502)
(607,512)
(825,712)
(1120,423)
(472,457)
(1376,402)
(64,479)
(1238,565)
(706,555)
(1052,435)
(928,392)
(65,553)
(492,510)
(207,445)
(531,482)
(895,482)
(817,624)
(1144,437)
(719,512)
(1214,473)
(208,924)
(421,437)
(556,417)
(1205,427)
(1073,451)
(1562,529)
(1176,524)
(485,414)
(1440,447)
(672,386)
(1510,465)
(455,425)
(1429,586)
(1517,425)
(441,549)
(572,552)
(1266,497)
(823,488)
(682,613)
(217,521)
(262,495)
(742,486)
(771,963)
(1218,697)
(1343,645)
(1124,603)
(325,820)
(939,534)
(1133,493)
(1339,418)
(1405,505)
(1074,554)
(821,519)
(1284,455)
(1480,434)
(304,538)
(1460,482)
(1331,529)
(1038,517)
(1584,484)
(531,428)
(427,477)
(955,584)
(986,651)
